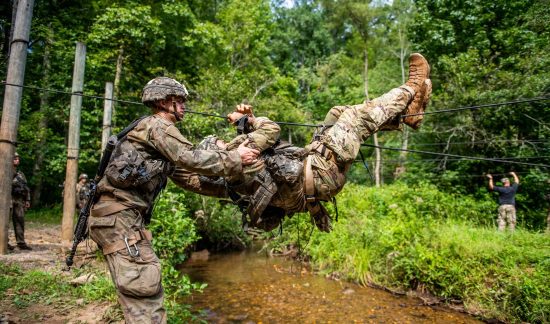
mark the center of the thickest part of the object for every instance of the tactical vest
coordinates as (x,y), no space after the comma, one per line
(19,188)
(138,171)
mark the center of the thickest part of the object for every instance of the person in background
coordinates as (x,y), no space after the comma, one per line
(506,201)
(20,202)
(82,190)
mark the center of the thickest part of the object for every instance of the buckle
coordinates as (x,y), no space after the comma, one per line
(310,198)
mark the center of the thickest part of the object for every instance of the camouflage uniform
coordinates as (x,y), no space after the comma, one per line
(506,214)
(82,191)
(352,125)
(263,134)
(117,222)
(21,195)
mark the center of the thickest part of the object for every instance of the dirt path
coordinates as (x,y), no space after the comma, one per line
(46,255)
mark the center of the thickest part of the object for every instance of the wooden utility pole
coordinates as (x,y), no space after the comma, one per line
(10,112)
(107,114)
(69,192)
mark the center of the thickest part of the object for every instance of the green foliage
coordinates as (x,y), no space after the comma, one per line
(174,233)
(421,238)
(45,215)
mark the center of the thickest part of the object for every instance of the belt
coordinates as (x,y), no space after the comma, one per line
(134,237)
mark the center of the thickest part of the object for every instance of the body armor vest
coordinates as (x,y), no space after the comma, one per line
(138,171)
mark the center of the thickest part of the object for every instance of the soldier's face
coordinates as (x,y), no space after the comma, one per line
(178,106)
(16,161)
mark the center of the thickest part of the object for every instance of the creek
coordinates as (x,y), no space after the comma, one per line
(251,287)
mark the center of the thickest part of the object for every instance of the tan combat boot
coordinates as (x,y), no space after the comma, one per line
(419,73)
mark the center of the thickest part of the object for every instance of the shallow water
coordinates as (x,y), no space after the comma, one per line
(250,287)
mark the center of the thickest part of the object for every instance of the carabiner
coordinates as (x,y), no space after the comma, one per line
(132,254)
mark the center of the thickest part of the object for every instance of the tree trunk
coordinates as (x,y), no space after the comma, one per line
(116,83)
(378,161)
(43,123)
(405,139)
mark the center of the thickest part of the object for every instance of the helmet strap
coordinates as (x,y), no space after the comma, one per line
(175,111)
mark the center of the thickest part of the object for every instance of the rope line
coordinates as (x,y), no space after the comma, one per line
(452,159)
(458,156)
(538,141)
(504,103)
(524,100)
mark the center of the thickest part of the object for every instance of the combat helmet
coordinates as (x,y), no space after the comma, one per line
(160,88)
(83,176)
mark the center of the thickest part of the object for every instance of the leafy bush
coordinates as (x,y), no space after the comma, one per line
(174,233)
(420,238)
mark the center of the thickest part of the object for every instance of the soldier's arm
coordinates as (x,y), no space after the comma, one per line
(265,133)
(173,146)
(516,179)
(490,177)
(199,184)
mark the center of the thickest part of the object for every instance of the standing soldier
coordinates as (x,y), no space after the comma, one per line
(138,170)
(506,201)
(20,202)
(82,191)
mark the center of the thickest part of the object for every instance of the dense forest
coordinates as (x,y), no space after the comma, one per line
(293,61)
(417,201)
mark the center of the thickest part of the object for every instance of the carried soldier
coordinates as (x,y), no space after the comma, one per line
(298,179)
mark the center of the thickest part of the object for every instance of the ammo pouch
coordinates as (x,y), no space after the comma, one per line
(261,197)
(284,162)
(129,170)
(19,187)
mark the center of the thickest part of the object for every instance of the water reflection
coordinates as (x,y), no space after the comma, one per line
(248,287)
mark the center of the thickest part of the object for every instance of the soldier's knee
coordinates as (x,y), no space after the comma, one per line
(140,276)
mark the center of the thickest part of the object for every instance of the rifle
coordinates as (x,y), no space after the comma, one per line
(81,229)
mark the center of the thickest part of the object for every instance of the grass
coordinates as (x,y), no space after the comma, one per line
(422,239)
(46,215)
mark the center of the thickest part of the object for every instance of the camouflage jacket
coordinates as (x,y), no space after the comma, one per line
(264,133)
(82,192)
(157,139)
(20,191)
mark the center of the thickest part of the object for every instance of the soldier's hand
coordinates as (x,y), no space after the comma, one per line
(244,109)
(233,116)
(248,155)
(512,173)
(489,176)
(27,204)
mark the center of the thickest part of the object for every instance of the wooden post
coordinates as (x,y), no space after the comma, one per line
(10,112)
(107,115)
(69,193)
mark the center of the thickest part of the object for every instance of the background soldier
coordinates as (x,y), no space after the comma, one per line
(20,202)
(82,190)
(506,201)
(138,170)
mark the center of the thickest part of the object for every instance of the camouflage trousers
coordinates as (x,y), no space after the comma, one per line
(352,125)
(506,214)
(18,218)
(137,278)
